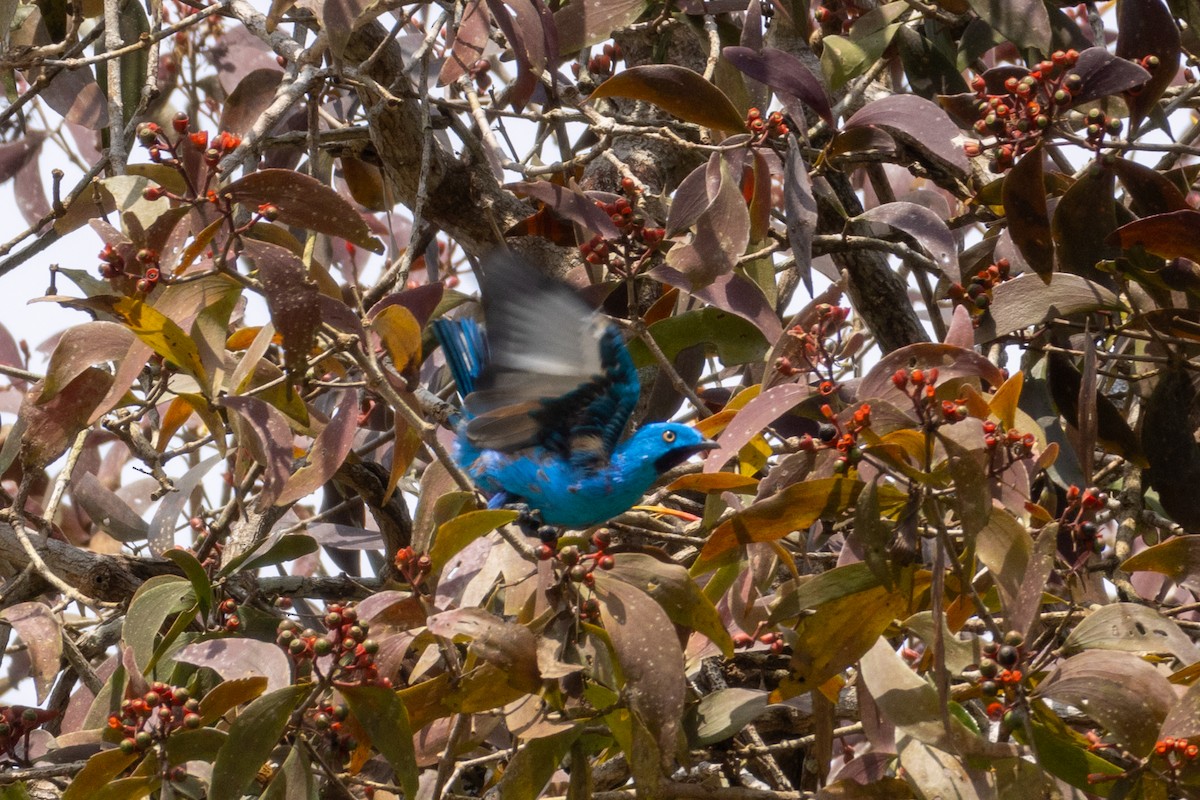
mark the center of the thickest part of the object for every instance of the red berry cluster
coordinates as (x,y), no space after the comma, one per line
(115,263)
(637,241)
(330,719)
(154,716)
(836,16)
(1079,520)
(227,616)
(999,673)
(773,640)
(832,435)
(1099,124)
(415,568)
(977,296)
(1176,751)
(601,64)
(773,127)
(815,348)
(345,640)
(16,724)
(579,565)
(481,73)
(920,385)
(1017,117)
(1006,446)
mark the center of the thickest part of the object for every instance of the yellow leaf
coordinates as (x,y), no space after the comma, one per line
(401,335)
(1004,402)
(713,482)
(455,534)
(772,518)
(164,335)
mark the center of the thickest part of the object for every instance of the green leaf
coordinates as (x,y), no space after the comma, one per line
(202,744)
(252,737)
(678,91)
(230,694)
(201,585)
(534,763)
(153,602)
(285,548)
(736,340)
(385,719)
(99,770)
(455,534)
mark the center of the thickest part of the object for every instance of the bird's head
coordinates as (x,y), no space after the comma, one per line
(667,444)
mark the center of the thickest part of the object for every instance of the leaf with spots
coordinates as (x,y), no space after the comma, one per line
(1131,628)
(673,589)
(50,427)
(753,418)
(510,647)
(919,124)
(293,300)
(305,202)
(650,658)
(1122,692)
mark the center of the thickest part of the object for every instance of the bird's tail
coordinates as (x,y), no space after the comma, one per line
(465,348)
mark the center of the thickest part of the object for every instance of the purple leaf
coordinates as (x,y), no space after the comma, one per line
(345,537)
(961,332)
(235,658)
(15,155)
(107,510)
(265,432)
(246,103)
(585,22)
(294,300)
(10,355)
(50,427)
(305,202)
(918,123)
(162,526)
(1146,28)
(81,347)
(571,204)
(327,453)
(1121,691)
(754,417)
(37,626)
(922,224)
(76,95)
(784,73)
(722,231)
(800,211)
(690,201)
(1024,198)
(1104,74)
(732,293)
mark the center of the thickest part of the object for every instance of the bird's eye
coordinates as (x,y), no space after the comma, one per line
(668,436)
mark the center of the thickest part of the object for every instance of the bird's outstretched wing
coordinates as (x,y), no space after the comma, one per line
(557,374)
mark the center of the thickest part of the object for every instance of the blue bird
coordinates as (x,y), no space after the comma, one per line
(546,396)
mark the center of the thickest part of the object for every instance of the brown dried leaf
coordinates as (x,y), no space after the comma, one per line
(678,91)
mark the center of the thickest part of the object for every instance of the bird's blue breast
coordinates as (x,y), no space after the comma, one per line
(562,492)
